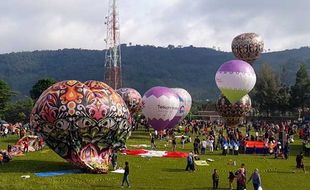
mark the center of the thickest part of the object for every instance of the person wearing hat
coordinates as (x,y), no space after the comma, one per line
(256,180)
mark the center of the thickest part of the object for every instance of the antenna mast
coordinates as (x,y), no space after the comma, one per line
(113,66)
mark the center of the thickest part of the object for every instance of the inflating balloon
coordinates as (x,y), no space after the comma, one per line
(82,122)
(247,47)
(233,113)
(178,116)
(235,79)
(159,106)
(184,107)
(132,98)
(187,100)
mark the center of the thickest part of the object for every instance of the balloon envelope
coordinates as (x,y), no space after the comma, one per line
(132,98)
(187,100)
(235,79)
(232,113)
(178,116)
(247,46)
(82,122)
(159,106)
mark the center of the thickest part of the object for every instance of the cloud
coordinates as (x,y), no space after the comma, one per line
(31,24)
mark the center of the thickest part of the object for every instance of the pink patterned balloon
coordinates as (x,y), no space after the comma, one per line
(132,99)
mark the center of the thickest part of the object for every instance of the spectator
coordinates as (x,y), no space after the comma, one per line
(231,178)
(203,146)
(190,161)
(174,144)
(256,180)
(126,174)
(215,179)
(114,159)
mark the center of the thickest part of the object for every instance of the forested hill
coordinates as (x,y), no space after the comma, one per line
(143,66)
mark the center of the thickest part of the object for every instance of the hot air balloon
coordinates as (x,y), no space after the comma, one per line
(233,113)
(178,116)
(82,122)
(159,106)
(235,79)
(247,47)
(132,99)
(187,100)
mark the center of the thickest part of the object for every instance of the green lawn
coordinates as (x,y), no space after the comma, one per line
(154,173)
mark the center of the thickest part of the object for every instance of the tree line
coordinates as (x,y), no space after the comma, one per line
(20,110)
(272,94)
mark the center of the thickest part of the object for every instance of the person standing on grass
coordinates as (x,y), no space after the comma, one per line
(203,146)
(300,162)
(215,179)
(231,178)
(174,144)
(153,145)
(114,159)
(241,177)
(25,146)
(183,141)
(189,160)
(1,158)
(256,180)
(126,174)
(286,151)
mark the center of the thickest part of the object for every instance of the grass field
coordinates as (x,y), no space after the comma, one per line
(154,173)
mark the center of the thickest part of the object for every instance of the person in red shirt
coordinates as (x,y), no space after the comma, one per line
(41,142)
(25,146)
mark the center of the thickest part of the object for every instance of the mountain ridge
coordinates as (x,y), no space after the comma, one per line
(191,68)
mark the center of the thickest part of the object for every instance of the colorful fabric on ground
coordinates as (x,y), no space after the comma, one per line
(155,153)
(57,173)
(201,163)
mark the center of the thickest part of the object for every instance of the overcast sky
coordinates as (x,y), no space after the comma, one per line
(27,25)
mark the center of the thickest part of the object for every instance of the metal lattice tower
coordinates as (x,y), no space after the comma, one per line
(113,66)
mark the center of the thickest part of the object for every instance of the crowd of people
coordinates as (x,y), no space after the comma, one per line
(210,136)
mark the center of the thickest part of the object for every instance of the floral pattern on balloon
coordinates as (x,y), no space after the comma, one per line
(247,47)
(82,122)
(233,113)
(132,99)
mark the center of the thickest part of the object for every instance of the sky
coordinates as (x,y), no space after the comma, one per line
(28,25)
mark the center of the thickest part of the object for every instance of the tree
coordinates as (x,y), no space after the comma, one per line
(283,98)
(267,86)
(40,86)
(301,90)
(18,111)
(5,95)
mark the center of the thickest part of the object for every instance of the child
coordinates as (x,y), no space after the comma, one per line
(215,178)
(231,178)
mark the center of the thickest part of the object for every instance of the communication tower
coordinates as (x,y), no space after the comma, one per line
(113,66)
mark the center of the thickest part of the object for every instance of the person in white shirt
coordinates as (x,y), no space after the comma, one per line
(203,146)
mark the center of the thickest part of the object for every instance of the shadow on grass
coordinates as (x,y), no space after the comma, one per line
(206,188)
(33,166)
(281,172)
(139,137)
(174,170)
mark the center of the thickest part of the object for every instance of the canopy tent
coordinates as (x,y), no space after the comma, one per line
(257,147)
